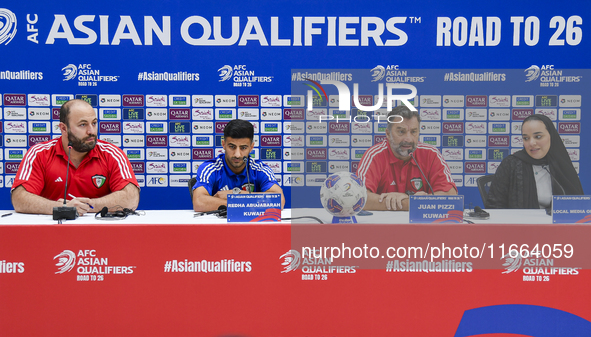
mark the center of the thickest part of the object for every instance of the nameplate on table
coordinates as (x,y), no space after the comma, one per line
(436,209)
(571,209)
(254,207)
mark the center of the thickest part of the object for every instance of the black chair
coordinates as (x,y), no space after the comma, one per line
(192,182)
(484,183)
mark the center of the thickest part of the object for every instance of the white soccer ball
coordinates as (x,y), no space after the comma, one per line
(343,194)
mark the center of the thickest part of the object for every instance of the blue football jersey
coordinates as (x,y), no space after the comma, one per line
(215,175)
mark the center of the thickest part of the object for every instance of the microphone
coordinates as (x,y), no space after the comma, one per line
(115,215)
(545,167)
(478,214)
(420,170)
(222,211)
(64,212)
(246,160)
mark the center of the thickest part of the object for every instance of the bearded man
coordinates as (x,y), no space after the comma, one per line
(100,175)
(401,166)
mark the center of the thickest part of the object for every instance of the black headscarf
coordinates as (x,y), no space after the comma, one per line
(565,180)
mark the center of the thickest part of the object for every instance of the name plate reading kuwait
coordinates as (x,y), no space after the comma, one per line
(436,209)
(254,207)
(571,209)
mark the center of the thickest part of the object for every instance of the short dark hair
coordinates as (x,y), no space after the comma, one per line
(239,128)
(65,110)
(405,112)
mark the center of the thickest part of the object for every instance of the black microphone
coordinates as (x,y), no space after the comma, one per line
(65,212)
(104,211)
(246,160)
(545,167)
(478,213)
(420,170)
(222,211)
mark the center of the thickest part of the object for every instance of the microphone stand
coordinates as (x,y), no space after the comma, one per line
(65,212)
(246,160)
(420,170)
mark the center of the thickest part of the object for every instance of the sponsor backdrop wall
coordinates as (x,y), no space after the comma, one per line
(165,77)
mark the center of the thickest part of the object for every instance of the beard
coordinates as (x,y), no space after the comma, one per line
(404,153)
(80,145)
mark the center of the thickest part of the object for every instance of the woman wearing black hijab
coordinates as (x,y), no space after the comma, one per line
(529,177)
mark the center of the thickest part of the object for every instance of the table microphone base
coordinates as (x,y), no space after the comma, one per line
(64,213)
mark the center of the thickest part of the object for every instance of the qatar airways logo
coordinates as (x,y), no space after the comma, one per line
(498,141)
(521,114)
(569,127)
(11,168)
(220,126)
(152,141)
(271,140)
(15,99)
(365,100)
(453,127)
(379,138)
(110,127)
(315,154)
(179,114)
(248,100)
(133,100)
(202,154)
(476,167)
(476,101)
(291,113)
(34,140)
(138,167)
(336,127)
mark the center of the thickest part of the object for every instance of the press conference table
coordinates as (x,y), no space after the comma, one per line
(168,273)
(186,217)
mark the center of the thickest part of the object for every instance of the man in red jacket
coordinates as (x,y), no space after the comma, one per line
(391,174)
(100,174)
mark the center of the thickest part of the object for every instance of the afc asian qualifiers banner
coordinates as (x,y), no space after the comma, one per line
(96,274)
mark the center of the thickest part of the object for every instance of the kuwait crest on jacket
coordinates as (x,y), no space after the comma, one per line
(98,180)
(417,183)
